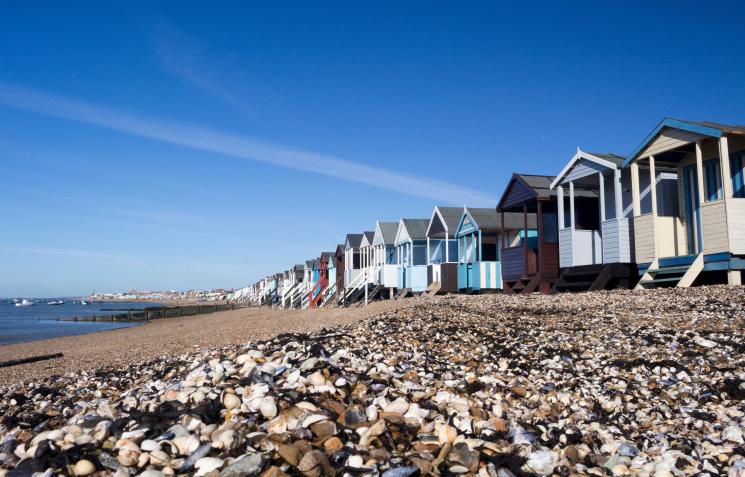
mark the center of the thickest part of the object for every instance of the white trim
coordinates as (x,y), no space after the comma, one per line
(581,155)
(401,226)
(442,221)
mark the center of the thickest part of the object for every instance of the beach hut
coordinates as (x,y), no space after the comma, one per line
(316,293)
(694,232)
(339,268)
(595,230)
(384,255)
(477,237)
(531,261)
(366,256)
(442,248)
(333,282)
(351,258)
(411,254)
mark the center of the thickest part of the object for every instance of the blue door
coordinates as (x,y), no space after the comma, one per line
(692,210)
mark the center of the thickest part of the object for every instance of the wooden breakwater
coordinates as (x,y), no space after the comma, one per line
(156,312)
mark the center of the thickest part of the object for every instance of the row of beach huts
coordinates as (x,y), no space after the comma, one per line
(671,213)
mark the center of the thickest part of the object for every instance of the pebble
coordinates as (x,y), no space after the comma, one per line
(617,383)
(84,467)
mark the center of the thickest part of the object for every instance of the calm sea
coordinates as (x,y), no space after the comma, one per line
(27,323)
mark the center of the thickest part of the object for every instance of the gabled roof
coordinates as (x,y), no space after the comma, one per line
(522,187)
(609,161)
(705,128)
(340,249)
(367,239)
(413,229)
(385,232)
(448,217)
(489,220)
(326,255)
(353,241)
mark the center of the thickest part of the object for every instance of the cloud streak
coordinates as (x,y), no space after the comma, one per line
(243,147)
(183,57)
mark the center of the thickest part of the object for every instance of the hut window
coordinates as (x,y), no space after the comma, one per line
(713,180)
(737,161)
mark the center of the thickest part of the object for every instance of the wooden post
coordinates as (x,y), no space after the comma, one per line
(700,174)
(560,206)
(525,238)
(501,219)
(480,257)
(724,167)
(571,205)
(429,262)
(447,247)
(653,185)
(601,181)
(540,257)
(539,225)
(618,193)
(635,200)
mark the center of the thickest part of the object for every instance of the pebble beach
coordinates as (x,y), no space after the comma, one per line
(613,383)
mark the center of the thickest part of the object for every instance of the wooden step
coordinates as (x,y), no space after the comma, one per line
(667,270)
(661,280)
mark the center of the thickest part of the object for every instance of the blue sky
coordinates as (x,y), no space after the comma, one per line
(186,146)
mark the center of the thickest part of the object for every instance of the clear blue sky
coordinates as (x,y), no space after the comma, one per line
(193,146)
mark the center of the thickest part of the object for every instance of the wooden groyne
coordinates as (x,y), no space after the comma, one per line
(155,313)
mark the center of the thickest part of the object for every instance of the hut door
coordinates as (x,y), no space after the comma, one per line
(692,210)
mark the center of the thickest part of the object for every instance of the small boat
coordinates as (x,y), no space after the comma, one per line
(83,302)
(25,302)
(58,302)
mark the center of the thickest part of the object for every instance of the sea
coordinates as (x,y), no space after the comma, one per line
(19,324)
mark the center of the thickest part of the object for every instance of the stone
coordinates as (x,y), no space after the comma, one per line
(84,467)
(246,466)
(290,454)
(314,464)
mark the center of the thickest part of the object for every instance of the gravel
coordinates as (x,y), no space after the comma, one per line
(609,383)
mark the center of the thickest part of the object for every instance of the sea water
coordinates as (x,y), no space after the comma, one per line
(27,323)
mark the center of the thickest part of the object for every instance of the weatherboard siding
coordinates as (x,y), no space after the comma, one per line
(644,240)
(583,168)
(416,278)
(669,139)
(714,222)
(617,240)
(736,220)
(565,248)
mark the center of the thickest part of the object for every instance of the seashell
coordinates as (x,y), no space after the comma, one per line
(159,458)
(149,445)
(206,465)
(317,379)
(399,406)
(268,407)
(732,433)
(231,401)
(541,462)
(355,461)
(311,419)
(152,473)
(222,438)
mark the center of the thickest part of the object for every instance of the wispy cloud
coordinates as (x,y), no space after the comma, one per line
(184,57)
(64,252)
(243,147)
(98,255)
